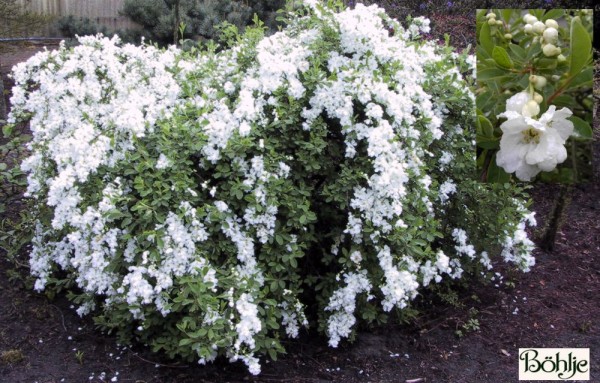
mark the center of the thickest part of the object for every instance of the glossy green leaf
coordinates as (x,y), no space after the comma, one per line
(582,128)
(534,50)
(487,130)
(490,74)
(581,47)
(506,14)
(553,14)
(485,100)
(518,51)
(485,38)
(583,79)
(486,142)
(502,58)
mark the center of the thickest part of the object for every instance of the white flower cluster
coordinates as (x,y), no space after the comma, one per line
(343,303)
(544,32)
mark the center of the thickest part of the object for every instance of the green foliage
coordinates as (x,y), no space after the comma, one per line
(16,21)
(201,17)
(72,26)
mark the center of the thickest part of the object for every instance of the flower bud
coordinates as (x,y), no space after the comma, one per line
(538,81)
(530,109)
(528,28)
(490,15)
(551,23)
(508,36)
(538,98)
(555,77)
(492,22)
(499,22)
(539,27)
(551,35)
(529,18)
(561,58)
(550,50)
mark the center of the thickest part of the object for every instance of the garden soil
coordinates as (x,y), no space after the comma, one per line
(476,339)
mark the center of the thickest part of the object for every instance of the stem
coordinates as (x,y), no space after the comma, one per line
(486,164)
(574,161)
(560,90)
(549,237)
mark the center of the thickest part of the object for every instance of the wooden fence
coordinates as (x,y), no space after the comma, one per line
(103,12)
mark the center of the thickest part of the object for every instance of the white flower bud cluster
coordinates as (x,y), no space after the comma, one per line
(491,19)
(545,32)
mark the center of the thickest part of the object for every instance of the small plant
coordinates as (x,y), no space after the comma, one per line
(79,356)
(472,323)
(12,356)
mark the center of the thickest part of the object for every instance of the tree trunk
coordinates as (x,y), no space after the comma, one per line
(177,19)
(2,102)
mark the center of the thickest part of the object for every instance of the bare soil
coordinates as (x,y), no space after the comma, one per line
(557,304)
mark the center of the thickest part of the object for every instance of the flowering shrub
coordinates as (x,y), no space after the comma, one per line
(529,63)
(215,203)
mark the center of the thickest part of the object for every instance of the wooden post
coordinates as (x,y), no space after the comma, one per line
(2,101)
(177,20)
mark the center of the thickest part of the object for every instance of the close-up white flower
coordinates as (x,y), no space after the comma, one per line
(529,146)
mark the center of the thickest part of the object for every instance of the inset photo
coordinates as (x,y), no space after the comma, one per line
(534,95)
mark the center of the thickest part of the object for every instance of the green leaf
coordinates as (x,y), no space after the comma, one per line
(583,79)
(581,47)
(506,14)
(546,63)
(518,51)
(564,100)
(582,128)
(7,129)
(534,50)
(487,143)
(272,353)
(502,58)
(279,239)
(484,99)
(553,14)
(490,74)
(486,128)
(485,38)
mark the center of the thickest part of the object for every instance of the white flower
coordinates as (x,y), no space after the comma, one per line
(551,50)
(539,27)
(551,35)
(163,162)
(519,105)
(529,146)
(551,23)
